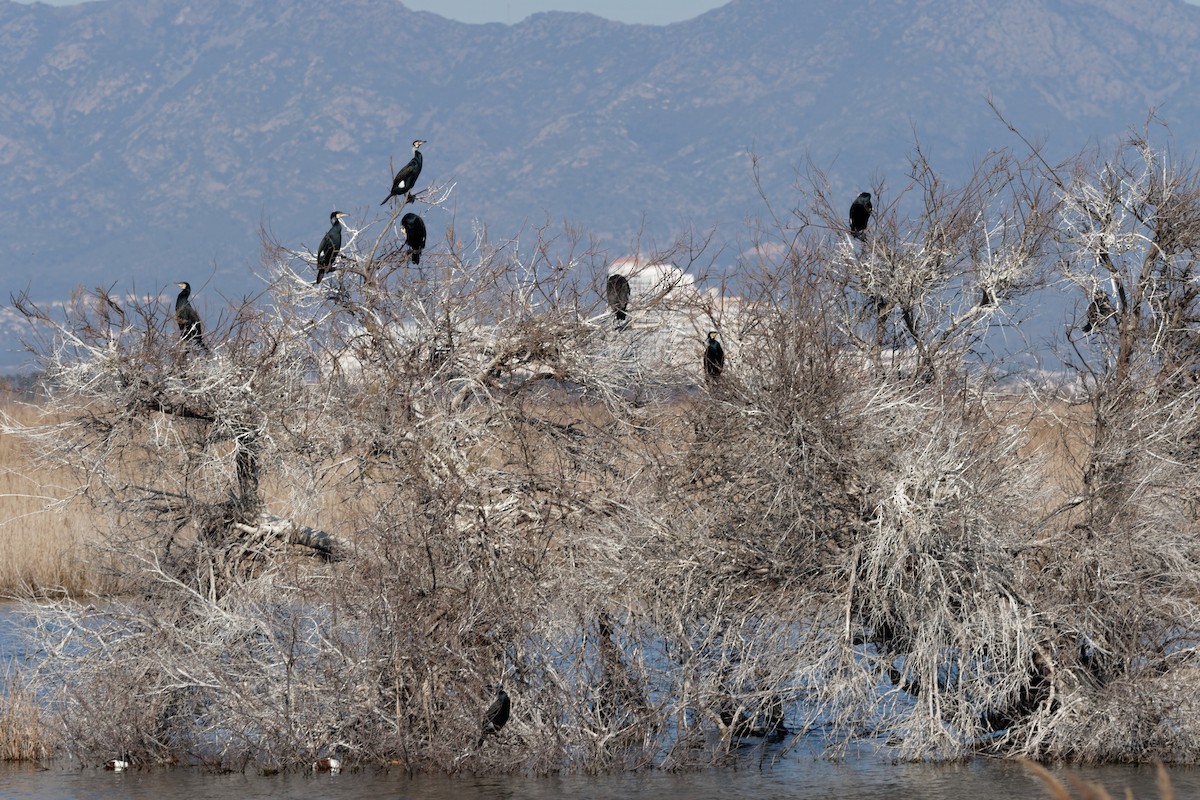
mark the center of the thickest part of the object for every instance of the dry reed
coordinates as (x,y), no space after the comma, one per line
(23,737)
(44,539)
(1086,790)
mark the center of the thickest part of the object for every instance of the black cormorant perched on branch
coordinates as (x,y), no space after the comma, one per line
(414,234)
(860,213)
(714,357)
(186,316)
(402,184)
(1099,310)
(496,715)
(331,245)
(617,291)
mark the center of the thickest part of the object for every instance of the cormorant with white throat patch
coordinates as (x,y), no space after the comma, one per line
(403,183)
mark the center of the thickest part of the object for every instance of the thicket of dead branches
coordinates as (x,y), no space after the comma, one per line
(374,498)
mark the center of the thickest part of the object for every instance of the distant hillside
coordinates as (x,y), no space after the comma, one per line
(145,140)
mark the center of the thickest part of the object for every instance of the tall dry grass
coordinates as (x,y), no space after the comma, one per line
(23,737)
(45,540)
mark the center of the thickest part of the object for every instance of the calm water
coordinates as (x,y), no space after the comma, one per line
(794,775)
(793,778)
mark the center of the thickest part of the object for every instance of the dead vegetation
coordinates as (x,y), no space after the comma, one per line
(23,736)
(1075,787)
(374,499)
(47,543)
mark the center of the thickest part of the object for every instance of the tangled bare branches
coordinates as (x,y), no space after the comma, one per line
(852,533)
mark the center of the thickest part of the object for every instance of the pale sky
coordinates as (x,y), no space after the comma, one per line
(649,12)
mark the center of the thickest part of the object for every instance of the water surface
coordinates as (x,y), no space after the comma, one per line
(792,777)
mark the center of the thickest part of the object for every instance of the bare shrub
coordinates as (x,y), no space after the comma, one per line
(376,498)
(1118,558)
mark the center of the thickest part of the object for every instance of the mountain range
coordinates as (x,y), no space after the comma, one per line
(147,141)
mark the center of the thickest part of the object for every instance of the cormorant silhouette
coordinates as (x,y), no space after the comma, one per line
(1098,311)
(414,234)
(617,292)
(496,715)
(714,357)
(407,176)
(860,213)
(331,245)
(186,316)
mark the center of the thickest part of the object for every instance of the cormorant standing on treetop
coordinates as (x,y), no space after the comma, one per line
(331,245)
(714,357)
(186,316)
(414,234)
(496,715)
(860,213)
(407,176)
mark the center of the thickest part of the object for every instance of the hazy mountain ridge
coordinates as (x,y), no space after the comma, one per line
(145,140)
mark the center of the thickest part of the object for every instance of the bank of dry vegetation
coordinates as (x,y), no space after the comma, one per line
(47,542)
(370,501)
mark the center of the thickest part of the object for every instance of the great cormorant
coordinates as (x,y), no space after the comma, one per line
(617,292)
(860,213)
(714,357)
(186,316)
(1099,310)
(402,184)
(414,234)
(331,245)
(496,715)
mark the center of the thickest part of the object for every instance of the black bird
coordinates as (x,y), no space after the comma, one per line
(186,316)
(617,291)
(496,715)
(414,234)
(860,213)
(1099,310)
(407,176)
(714,357)
(331,245)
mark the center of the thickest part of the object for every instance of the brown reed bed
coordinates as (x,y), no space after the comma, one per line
(45,539)
(23,736)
